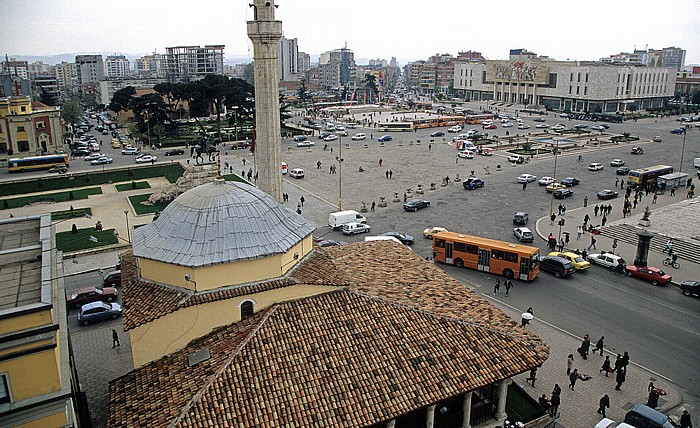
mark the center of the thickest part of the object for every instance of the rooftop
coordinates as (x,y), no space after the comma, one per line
(20,264)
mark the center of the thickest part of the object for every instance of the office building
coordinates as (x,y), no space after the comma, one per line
(116,67)
(186,62)
(288,59)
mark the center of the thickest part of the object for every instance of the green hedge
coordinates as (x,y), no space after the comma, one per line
(69,241)
(134,185)
(171,172)
(50,197)
(145,209)
(75,213)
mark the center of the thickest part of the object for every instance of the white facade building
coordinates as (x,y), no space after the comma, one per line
(117,66)
(288,54)
(90,70)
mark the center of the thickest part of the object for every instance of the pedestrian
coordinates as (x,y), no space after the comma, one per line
(603,403)
(625,360)
(524,185)
(599,345)
(244,161)
(653,400)
(552,218)
(556,390)
(509,285)
(604,220)
(318,165)
(302,200)
(653,199)
(573,377)
(561,245)
(580,158)
(533,376)
(618,363)
(563,210)
(551,241)
(569,363)
(566,238)
(559,209)
(606,366)
(373,205)
(405,198)
(585,347)
(617,181)
(586,219)
(496,286)
(542,401)
(592,243)
(298,210)
(673,191)
(620,379)
(115,339)
(585,201)
(669,246)
(554,404)
(380,162)
(685,420)
(595,211)
(579,230)
(391,174)
(386,173)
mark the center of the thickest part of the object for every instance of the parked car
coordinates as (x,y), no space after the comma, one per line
(176,152)
(623,170)
(607,260)
(595,167)
(101,160)
(405,239)
(523,234)
(691,288)
(437,134)
(305,143)
(432,231)
(580,126)
(607,194)
(570,181)
(329,243)
(355,228)
(559,127)
(645,417)
(577,260)
(112,278)
(656,139)
(454,129)
(507,125)
(648,273)
(526,178)
(297,173)
(385,138)
(598,127)
(617,162)
(416,204)
(323,135)
(359,136)
(559,266)
(637,151)
(298,138)
(563,193)
(520,218)
(130,151)
(545,181)
(146,159)
(86,295)
(98,311)
(473,183)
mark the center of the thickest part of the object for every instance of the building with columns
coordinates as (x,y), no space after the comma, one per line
(28,128)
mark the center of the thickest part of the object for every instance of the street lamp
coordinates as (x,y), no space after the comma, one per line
(340,159)
(554,176)
(685,131)
(128,232)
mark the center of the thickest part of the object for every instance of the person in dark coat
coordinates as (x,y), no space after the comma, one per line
(603,403)
(685,420)
(653,400)
(618,363)
(585,347)
(554,405)
(599,345)
(573,377)
(606,366)
(543,402)
(625,360)
(620,378)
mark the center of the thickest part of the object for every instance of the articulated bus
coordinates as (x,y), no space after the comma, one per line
(434,122)
(396,126)
(36,163)
(646,176)
(476,119)
(488,255)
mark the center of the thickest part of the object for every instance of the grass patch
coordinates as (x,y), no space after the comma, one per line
(75,213)
(145,209)
(134,185)
(50,197)
(69,241)
(171,172)
(520,406)
(623,139)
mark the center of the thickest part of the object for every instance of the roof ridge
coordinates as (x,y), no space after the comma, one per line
(223,367)
(445,317)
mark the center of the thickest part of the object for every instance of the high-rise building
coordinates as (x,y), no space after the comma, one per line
(337,69)
(303,62)
(66,76)
(288,54)
(116,66)
(185,62)
(150,65)
(671,57)
(90,70)
(40,68)
(16,68)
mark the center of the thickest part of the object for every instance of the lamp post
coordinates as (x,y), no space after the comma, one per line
(685,131)
(554,176)
(128,232)
(340,172)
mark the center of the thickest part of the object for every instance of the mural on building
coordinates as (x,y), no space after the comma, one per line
(517,71)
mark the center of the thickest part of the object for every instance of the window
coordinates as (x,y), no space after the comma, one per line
(4,389)
(20,129)
(40,125)
(23,146)
(466,248)
(3,148)
(246,309)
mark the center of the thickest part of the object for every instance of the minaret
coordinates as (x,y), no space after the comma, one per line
(265,34)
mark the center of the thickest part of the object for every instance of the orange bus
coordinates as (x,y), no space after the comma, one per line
(489,255)
(476,119)
(434,122)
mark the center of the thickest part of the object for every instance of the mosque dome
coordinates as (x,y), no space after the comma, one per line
(220,222)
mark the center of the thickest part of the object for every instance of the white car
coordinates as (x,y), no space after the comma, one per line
(130,151)
(656,139)
(523,126)
(507,125)
(617,162)
(344,133)
(146,159)
(608,260)
(339,128)
(297,173)
(541,125)
(455,128)
(526,178)
(360,136)
(559,127)
(472,132)
(546,181)
(595,167)
(516,159)
(598,127)
(305,143)
(93,156)
(487,122)
(466,154)
(523,234)
(330,138)
(354,228)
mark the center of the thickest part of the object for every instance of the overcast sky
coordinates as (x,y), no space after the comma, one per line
(407,30)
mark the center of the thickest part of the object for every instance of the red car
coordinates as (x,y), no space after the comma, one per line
(492,126)
(90,294)
(654,275)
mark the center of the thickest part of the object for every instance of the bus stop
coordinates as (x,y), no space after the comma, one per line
(673,180)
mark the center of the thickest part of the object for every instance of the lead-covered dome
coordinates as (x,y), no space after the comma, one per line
(220,222)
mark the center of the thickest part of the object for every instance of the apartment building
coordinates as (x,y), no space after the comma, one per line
(117,67)
(185,62)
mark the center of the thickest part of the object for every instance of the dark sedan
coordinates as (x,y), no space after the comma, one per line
(691,288)
(563,193)
(607,194)
(677,131)
(570,181)
(623,170)
(405,239)
(473,183)
(90,294)
(174,152)
(415,204)
(437,134)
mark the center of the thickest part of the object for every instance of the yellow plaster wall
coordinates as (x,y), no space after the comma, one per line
(25,321)
(33,375)
(59,419)
(174,331)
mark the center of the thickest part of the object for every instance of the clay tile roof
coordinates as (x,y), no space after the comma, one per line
(401,336)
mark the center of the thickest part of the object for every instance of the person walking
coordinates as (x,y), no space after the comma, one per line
(573,377)
(625,360)
(561,245)
(579,230)
(595,211)
(669,246)
(585,347)
(685,420)
(653,400)
(603,404)
(391,174)
(496,286)
(606,366)
(599,345)
(373,205)
(620,379)
(543,402)
(618,363)
(559,209)
(604,220)
(380,162)
(115,339)
(585,201)
(524,185)
(508,285)
(554,404)
(563,210)
(592,243)
(653,199)
(569,363)
(302,200)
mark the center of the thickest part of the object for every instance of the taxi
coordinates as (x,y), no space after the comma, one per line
(578,261)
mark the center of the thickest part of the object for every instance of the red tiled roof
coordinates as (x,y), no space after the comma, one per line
(401,336)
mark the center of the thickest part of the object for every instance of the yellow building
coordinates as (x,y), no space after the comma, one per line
(28,129)
(36,378)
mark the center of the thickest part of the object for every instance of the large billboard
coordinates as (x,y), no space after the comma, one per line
(517,71)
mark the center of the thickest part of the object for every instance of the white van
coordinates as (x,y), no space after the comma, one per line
(696,163)
(337,219)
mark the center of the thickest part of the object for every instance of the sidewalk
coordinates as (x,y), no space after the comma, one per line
(671,216)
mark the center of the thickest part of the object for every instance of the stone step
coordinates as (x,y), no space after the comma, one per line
(627,233)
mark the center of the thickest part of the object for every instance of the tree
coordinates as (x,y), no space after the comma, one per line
(122,99)
(370,82)
(303,93)
(71,111)
(695,97)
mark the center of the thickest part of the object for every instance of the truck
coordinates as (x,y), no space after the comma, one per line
(337,219)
